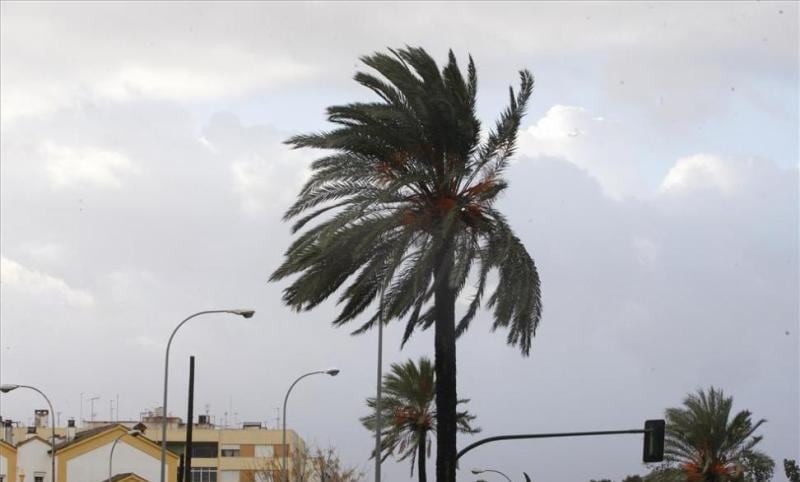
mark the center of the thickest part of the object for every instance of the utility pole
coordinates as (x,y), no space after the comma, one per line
(187,471)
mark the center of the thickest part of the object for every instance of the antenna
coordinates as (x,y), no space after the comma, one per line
(277,417)
(91,410)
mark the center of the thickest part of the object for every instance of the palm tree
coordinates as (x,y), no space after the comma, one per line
(709,445)
(408,405)
(407,189)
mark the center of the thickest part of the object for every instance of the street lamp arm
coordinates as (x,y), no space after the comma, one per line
(52,428)
(243,313)
(114,445)
(284,447)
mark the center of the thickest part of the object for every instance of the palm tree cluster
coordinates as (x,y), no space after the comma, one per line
(409,409)
(404,203)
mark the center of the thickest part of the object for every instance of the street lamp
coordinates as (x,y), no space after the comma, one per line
(480,471)
(7,388)
(330,371)
(243,313)
(132,433)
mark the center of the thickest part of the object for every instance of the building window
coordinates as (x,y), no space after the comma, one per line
(229,476)
(265,451)
(230,451)
(204,474)
(206,450)
(38,476)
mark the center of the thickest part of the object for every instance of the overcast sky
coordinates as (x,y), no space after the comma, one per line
(656,186)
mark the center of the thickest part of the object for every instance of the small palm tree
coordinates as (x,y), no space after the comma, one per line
(709,444)
(408,412)
(405,199)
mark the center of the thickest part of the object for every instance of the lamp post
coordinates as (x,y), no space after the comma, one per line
(8,388)
(378,389)
(243,313)
(132,433)
(332,372)
(480,471)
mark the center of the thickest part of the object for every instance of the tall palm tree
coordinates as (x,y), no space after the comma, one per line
(712,446)
(408,406)
(408,195)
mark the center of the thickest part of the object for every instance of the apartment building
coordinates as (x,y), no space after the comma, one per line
(219,454)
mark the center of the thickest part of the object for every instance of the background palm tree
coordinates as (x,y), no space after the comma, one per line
(712,446)
(410,412)
(408,192)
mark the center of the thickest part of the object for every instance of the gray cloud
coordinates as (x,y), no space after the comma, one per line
(668,252)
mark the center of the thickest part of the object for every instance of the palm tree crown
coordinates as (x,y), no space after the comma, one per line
(408,407)
(408,180)
(711,446)
(407,196)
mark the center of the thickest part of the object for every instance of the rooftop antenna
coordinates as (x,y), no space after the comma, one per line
(91,409)
(277,417)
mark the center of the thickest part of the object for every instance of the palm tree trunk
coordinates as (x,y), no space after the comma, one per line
(445,367)
(422,473)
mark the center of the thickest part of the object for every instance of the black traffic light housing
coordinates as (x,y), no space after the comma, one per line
(654,441)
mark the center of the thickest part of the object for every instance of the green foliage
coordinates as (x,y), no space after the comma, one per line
(757,466)
(408,411)
(633,478)
(406,185)
(791,469)
(665,473)
(708,443)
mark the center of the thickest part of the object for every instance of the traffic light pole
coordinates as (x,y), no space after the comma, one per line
(653,441)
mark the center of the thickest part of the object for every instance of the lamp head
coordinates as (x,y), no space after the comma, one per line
(332,371)
(476,471)
(244,313)
(5,388)
(134,432)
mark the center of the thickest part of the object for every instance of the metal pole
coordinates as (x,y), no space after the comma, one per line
(133,433)
(283,438)
(378,425)
(187,470)
(246,314)
(111,455)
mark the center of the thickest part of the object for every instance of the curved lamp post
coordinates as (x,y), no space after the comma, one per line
(480,471)
(8,388)
(243,313)
(330,371)
(132,433)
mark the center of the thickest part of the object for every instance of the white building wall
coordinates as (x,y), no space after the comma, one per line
(33,457)
(4,467)
(93,466)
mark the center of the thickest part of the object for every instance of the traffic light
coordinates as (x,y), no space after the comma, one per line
(654,441)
